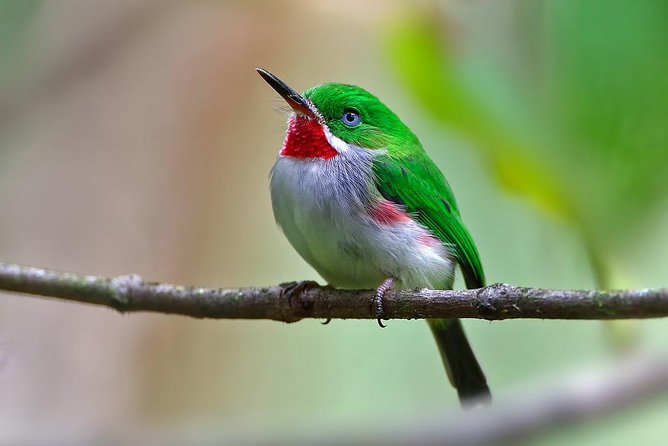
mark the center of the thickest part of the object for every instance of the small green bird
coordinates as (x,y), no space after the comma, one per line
(361,201)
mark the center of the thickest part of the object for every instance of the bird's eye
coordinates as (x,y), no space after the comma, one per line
(351,118)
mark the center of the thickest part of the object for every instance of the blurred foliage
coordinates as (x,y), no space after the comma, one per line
(426,64)
(594,74)
(15,17)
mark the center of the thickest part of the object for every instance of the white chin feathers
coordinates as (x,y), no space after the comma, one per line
(343,147)
(337,143)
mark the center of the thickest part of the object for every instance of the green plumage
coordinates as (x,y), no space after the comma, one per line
(405,174)
(412,179)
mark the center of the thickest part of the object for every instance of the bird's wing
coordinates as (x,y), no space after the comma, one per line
(413,181)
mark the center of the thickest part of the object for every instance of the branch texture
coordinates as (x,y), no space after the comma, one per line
(495,302)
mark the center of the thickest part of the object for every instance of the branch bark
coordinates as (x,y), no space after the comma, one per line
(495,302)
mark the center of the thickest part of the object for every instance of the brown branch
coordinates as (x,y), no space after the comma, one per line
(500,301)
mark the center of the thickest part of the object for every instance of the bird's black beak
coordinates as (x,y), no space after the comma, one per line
(298,102)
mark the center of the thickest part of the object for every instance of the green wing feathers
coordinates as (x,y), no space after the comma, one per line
(413,180)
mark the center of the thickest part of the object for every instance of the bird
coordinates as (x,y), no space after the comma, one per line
(361,201)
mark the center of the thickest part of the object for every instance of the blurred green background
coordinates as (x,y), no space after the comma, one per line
(135,136)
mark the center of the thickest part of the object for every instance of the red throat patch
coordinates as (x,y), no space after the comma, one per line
(306,139)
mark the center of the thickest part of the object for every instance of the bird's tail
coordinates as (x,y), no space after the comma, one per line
(460,363)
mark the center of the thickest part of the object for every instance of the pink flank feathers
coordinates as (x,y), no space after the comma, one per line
(388,213)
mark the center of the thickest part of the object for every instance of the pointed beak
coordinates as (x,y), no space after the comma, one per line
(298,102)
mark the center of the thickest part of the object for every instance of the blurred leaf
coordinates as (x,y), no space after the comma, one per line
(425,65)
(608,62)
(524,174)
(418,50)
(602,77)
(15,16)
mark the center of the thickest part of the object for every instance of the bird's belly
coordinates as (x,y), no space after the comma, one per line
(343,243)
(340,251)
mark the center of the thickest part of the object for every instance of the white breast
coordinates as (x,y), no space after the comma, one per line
(321,206)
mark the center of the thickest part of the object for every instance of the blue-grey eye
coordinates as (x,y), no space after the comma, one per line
(351,118)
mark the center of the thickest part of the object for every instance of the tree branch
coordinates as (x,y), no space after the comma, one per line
(495,302)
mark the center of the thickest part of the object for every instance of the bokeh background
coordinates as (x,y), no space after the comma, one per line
(136,137)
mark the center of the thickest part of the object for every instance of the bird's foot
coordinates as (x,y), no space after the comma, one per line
(378,299)
(294,289)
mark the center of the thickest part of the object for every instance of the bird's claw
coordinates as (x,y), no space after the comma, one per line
(378,299)
(295,289)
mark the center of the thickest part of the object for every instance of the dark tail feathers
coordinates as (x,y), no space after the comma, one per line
(460,363)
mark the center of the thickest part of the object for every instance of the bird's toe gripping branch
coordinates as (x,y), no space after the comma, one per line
(378,299)
(294,290)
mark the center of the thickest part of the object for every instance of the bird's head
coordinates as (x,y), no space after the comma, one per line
(331,117)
